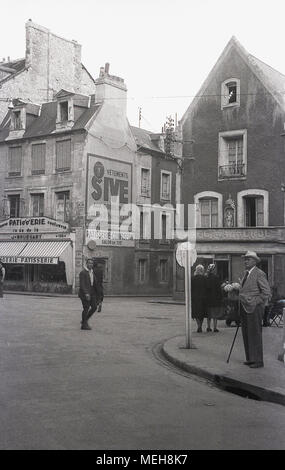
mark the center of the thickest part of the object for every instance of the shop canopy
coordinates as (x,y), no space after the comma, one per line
(32,252)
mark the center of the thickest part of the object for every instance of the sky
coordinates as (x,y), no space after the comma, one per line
(163,49)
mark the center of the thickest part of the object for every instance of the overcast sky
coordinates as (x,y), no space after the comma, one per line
(164,49)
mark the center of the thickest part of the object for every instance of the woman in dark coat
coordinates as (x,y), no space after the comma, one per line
(198,288)
(214,297)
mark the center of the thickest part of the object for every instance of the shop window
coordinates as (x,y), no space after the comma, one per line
(63,155)
(209,212)
(163,269)
(52,273)
(15,161)
(38,159)
(14,272)
(62,207)
(37,205)
(14,205)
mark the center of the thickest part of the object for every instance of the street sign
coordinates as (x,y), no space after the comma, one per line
(181,253)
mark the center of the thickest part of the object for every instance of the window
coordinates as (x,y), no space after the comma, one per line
(209,213)
(163,226)
(254,211)
(37,205)
(142,270)
(17,120)
(14,205)
(232,154)
(230,92)
(15,161)
(63,109)
(163,269)
(38,159)
(165,188)
(62,208)
(63,155)
(145,182)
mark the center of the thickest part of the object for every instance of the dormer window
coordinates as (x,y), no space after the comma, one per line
(63,109)
(230,93)
(17,120)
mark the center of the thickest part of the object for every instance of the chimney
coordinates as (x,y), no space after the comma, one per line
(111,90)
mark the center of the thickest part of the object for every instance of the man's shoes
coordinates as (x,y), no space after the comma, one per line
(209,329)
(248,363)
(99,308)
(216,330)
(86,327)
(199,330)
(255,365)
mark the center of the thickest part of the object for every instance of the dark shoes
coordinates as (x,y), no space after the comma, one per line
(85,327)
(208,330)
(199,330)
(256,365)
(99,308)
(216,330)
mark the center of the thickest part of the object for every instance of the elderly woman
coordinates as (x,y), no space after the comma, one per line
(199,307)
(214,297)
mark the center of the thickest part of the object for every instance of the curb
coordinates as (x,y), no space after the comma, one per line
(224,382)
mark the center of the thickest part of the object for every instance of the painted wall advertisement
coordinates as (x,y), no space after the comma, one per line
(110,187)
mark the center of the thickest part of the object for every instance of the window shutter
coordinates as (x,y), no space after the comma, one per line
(15,161)
(38,159)
(259,211)
(63,155)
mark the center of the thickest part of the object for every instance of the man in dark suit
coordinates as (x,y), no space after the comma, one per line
(87,293)
(254,294)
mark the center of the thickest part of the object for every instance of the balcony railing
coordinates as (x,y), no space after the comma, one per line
(235,170)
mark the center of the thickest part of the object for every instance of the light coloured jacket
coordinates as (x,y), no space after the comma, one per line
(255,291)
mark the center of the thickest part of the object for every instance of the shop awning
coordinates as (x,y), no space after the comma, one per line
(44,249)
(11,249)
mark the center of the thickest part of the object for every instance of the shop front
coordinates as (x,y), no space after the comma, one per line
(225,248)
(38,255)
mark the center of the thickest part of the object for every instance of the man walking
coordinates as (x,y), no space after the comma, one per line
(254,293)
(87,293)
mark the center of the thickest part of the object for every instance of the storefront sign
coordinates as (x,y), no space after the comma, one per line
(111,238)
(241,234)
(31,225)
(28,260)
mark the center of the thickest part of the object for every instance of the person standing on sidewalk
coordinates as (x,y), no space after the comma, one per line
(2,278)
(214,297)
(87,293)
(199,296)
(254,294)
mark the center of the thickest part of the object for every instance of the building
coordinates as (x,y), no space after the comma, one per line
(58,162)
(51,63)
(236,171)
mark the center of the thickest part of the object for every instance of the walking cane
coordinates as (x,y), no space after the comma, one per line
(235,333)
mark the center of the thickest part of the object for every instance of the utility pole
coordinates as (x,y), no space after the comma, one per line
(140,116)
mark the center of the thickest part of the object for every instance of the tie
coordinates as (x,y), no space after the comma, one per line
(245,278)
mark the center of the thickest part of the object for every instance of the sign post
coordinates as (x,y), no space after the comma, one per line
(186,256)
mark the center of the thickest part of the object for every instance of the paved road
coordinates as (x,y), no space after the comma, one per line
(62,388)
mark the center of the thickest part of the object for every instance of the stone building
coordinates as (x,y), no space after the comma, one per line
(58,161)
(51,63)
(236,171)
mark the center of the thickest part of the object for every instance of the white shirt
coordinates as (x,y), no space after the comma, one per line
(91,274)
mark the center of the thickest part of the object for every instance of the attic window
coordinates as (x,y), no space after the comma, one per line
(230,93)
(63,111)
(17,120)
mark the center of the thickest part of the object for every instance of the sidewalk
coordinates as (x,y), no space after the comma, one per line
(209,358)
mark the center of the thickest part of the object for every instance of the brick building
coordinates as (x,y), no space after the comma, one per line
(56,161)
(51,63)
(236,170)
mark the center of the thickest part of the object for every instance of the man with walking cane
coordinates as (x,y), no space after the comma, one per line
(254,293)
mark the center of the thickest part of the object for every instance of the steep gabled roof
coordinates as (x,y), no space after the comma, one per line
(271,79)
(143,139)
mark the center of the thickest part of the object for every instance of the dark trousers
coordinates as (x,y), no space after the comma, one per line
(251,326)
(89,307)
